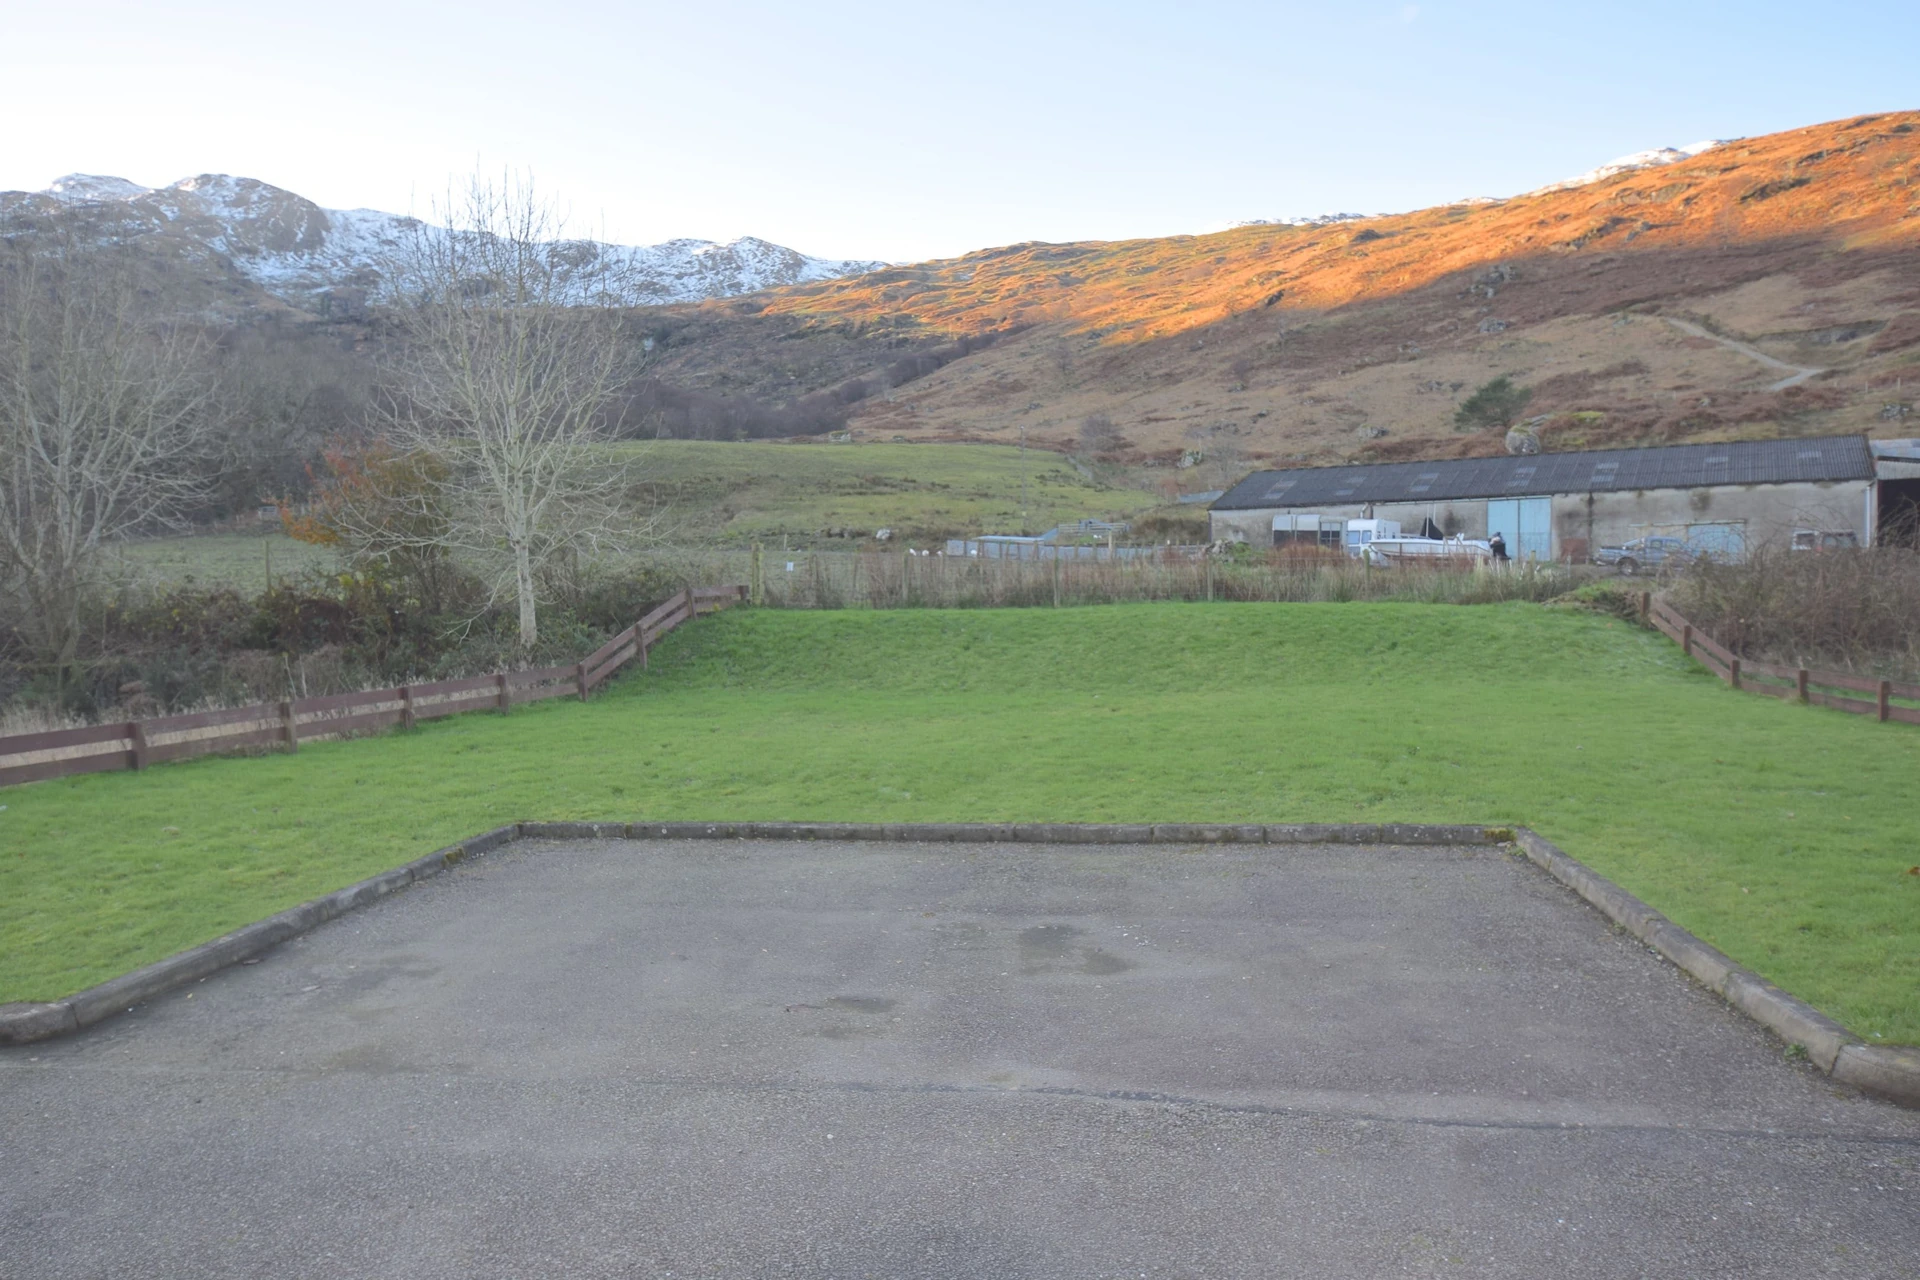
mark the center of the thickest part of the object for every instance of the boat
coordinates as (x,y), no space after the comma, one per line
(1434,551)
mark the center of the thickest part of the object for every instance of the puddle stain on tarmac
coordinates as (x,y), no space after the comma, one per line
(1051,948)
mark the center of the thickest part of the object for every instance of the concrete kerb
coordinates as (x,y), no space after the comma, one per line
(1889,1072)
(26,1023)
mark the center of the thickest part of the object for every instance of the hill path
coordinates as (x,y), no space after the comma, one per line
(1797,373)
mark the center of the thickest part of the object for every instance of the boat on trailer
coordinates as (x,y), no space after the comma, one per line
(1430,551)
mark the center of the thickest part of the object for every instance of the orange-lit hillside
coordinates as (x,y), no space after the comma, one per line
(1850,185)
(1359,338)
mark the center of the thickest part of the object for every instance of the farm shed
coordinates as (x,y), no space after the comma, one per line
(1897,490)
(1559,506)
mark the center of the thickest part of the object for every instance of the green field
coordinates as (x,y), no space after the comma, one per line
(694,492)
(1781,834)
(921,491)
(238,560)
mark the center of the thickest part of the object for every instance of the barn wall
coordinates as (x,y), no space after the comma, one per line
(1583,522)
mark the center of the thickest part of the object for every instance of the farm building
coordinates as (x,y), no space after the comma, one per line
(1561,506)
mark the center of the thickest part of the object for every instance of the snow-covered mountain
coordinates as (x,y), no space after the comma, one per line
(304,254)
(1638,160)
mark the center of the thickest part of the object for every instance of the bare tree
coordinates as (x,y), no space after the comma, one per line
(511,363)
(1099,436)
(103,417)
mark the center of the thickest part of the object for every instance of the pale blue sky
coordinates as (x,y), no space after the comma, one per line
(908,131)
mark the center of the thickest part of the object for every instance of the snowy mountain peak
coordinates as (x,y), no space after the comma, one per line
(304,254)
(1638,160)
(93,186)
(1317,220)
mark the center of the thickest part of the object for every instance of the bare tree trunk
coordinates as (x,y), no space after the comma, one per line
(523,584)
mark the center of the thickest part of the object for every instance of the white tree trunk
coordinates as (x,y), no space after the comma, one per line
(523,587)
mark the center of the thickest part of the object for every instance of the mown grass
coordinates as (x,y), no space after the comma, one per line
(1779,833)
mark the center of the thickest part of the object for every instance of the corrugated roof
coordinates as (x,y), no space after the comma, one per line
(1680,466)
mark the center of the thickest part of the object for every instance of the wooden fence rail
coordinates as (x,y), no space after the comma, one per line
(1797,684)
(135,744)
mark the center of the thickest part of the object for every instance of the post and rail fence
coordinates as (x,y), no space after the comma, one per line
(1793,684)
(135,744)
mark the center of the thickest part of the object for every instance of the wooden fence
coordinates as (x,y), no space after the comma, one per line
(135,744)
(1800,684)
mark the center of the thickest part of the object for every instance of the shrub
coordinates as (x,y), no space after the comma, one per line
(1493,404)
(1855,609)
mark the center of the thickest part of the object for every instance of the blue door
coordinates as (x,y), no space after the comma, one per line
(1526,524)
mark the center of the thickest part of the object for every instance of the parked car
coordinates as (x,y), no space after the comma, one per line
(1649,552)
(1825,540)
(1663,551)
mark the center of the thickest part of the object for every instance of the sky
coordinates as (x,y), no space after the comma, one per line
(904,131)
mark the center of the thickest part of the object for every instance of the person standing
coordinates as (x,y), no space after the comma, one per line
(1498,545)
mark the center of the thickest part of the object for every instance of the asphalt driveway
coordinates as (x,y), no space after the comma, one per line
(713,1059)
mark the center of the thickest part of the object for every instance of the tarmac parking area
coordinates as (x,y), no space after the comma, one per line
(745,1058)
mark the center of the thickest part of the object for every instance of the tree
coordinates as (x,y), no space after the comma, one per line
(1493,404)
(1099,436)
(512,363)
(103,420)
(383,511)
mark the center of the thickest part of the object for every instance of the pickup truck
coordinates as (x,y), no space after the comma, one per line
(1650,552)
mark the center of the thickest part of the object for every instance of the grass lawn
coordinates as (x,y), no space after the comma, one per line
(1779,833)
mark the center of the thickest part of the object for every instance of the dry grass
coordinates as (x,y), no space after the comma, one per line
(894,581)
(1855,610)
(1283,343)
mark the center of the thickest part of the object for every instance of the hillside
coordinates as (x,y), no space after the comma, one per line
(226,233)
(1618,297)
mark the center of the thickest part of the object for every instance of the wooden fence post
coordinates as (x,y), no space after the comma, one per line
(1733,673)
(1800,683)
(1686,639)
(406,706)
(1646,606)
(289,727)
(137,732)
(505,698)
(640,639)
(1886,692)
(580,679)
